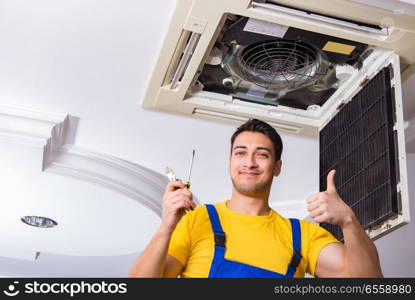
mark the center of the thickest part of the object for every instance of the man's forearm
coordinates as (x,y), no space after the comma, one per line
(152,260)
(362,259)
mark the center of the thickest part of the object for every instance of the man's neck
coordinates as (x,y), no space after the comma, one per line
(249,205)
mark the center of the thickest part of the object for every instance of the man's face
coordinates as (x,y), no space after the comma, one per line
(252,163)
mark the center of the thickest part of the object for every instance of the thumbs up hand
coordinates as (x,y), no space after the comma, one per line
(328,207)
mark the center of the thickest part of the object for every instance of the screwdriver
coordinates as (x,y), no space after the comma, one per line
(172,177)
(187,184)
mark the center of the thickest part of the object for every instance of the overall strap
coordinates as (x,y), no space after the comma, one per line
(296,258)
(216,226)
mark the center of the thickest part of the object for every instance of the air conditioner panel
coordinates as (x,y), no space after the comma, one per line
(360,143)
(364,142)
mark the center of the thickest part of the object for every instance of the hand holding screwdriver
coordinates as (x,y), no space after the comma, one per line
(176,199)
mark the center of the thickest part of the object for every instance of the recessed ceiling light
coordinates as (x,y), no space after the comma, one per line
(41,222)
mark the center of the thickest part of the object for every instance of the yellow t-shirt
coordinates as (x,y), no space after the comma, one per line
(261,241)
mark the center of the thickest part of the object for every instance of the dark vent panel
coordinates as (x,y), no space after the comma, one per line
(360,144)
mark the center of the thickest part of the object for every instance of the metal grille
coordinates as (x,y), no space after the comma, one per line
(360,143)
(279,63)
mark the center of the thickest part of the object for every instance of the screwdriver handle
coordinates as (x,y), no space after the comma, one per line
(187,186)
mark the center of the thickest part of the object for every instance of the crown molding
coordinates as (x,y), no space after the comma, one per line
(48,131)
(132,180)
(34,128)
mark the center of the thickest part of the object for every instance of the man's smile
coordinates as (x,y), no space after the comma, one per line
(249,173)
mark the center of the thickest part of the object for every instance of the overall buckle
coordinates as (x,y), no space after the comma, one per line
(220,238)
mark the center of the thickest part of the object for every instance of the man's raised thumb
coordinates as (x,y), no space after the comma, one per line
(331,187)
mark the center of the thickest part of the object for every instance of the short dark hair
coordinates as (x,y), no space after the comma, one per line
(255,125)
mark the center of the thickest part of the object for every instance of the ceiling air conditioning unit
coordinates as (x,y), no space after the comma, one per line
(324,69)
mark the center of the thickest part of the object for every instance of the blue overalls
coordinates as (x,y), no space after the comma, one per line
(222,267)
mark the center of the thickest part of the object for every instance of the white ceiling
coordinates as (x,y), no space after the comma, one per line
(91,60)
